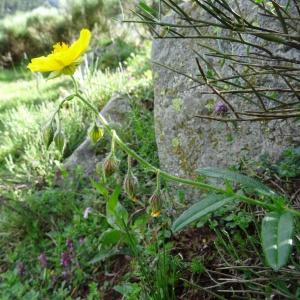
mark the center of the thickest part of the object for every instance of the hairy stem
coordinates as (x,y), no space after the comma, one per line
(166,175)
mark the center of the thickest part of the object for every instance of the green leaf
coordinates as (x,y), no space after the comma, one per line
(207,205)
(111,237)
(245,181)
(101,189)
(114,199)
(128,290)
(116,214)
(103,255)
(277,233)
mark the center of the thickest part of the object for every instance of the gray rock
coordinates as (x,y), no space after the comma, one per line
(85,156)
(186,143)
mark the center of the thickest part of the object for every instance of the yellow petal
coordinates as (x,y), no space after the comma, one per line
(44,64)
(76,49)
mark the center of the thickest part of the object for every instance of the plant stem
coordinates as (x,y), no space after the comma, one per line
(166,175)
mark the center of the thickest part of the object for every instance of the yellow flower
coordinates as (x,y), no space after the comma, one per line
(155,213)
(64,58)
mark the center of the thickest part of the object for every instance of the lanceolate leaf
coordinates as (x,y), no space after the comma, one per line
(111,237)
(245,181)
(207,205)
(116,214)
(276,234)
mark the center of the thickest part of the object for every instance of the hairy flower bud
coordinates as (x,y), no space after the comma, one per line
(48,134)
(130,185)
(96,133)
(110,165)
(59,141)
(155,203)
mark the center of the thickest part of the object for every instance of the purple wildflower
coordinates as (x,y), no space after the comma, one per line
(66,275)
(70,245)
(87,211)
(58,174)
(21,269)
(221,108)
(43,260)
(81,240)
(65,259)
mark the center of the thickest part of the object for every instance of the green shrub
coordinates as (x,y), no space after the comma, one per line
(114,52)
(35,32)
(289,163)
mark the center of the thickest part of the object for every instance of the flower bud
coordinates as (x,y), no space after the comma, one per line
(155,203)
(59,141)
(96,133)
(110,165)
(130,185)
(48,134)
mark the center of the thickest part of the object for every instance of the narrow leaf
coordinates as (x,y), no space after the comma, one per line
(244,180)
(101,189)
(116,214)
(207,205)
(147,9)
(103,255)
(276,233)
